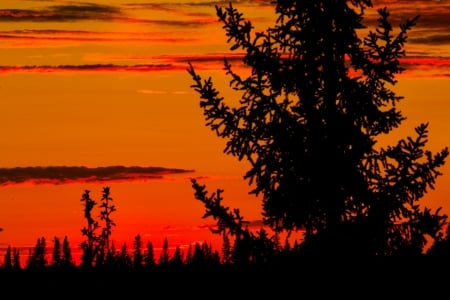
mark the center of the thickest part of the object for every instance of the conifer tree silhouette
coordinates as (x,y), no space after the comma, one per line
(67,258)
(317,98)
(111,258)
(189,255)
(149,257)
(138,257)
(164,256)
(177,258)
(37,259)
(8,259)
(57,253)
(226,249)
(17,265)
(197,255)
(124,259)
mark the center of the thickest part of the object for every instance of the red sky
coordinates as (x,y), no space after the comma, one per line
(95,85)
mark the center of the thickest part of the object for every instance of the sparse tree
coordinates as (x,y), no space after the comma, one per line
(105,216)
(56,255)
(226,249)
(96,246)
(89,231)
(8,261)
(313,106)
(67,259)
(149,257)
(137,252)
(189,255)
(177,258)
(37,259)
(124,259)
(111,257)
(16,259)
(164,256)
(198,256)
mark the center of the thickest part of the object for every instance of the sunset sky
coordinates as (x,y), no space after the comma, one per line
(99,91)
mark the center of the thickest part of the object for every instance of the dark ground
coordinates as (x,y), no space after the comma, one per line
(315,279)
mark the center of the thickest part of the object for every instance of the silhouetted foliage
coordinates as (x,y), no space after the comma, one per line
(8,259)
(149,256)
(110,260)
(138,257)
(89,246)
(105,215)
(441,247)
(97,246)
(226,249)
(67,258)
(164,256)
(37,259)
(57,253)
(316,100)
(16,259)
(124,259)
(177,258)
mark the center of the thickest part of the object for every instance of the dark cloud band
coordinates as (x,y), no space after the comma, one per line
(61,13)
(67,174)
(93,67)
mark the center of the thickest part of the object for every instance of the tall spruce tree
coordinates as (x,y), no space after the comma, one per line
(312,109)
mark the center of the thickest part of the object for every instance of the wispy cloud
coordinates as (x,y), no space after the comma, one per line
(175,6)
(417,66)
(431,66)
(433,15)
(62,13)
(92,68)
(432,39)
(78,11)
(161,92)
(69,174)
(169,23)
(190,14)
(93,36)
(163,63)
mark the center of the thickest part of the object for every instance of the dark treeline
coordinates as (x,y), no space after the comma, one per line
(240,247)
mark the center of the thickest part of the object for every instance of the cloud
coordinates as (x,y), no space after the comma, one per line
(161,92)
(213,61)
(92,68)
(175,23)
(432,39)
(438,66)
(433,14)
(190,14)
(175,5)
(181,14)
(93,36)
(70,174)
(421,66)
(165,63)
(62,13)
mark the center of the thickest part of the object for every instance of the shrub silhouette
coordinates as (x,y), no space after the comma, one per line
(317,98)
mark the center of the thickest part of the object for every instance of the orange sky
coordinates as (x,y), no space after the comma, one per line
(95,85)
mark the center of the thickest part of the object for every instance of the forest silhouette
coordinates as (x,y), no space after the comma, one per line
(315,101)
